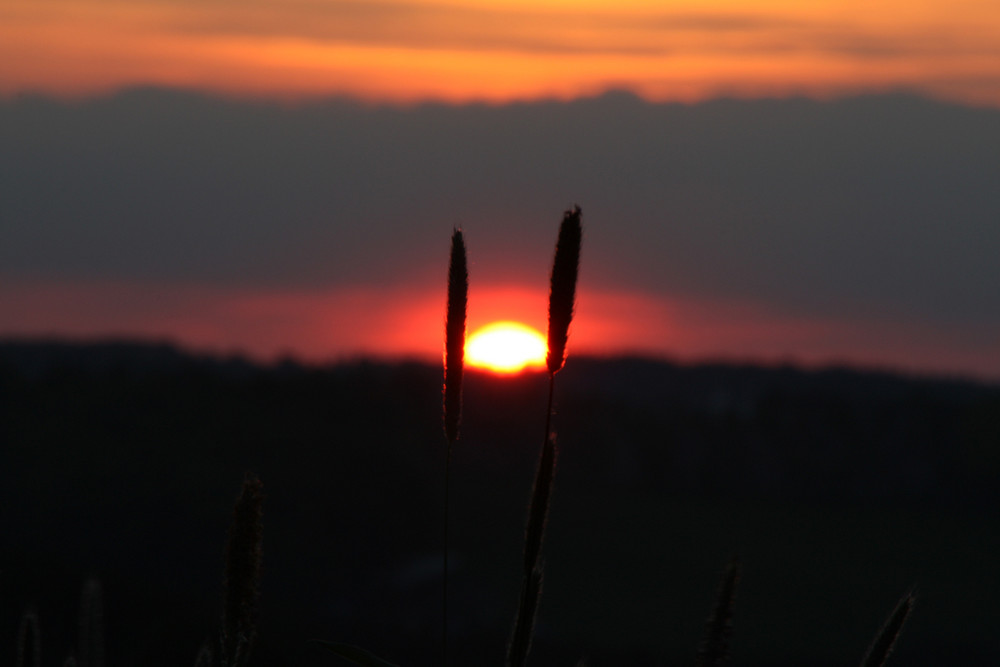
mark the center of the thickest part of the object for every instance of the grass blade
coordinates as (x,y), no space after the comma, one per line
(882,646)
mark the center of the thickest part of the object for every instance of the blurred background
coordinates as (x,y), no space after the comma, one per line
(223,246)
(838,490)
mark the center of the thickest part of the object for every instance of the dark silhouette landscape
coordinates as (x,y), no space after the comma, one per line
(839,489)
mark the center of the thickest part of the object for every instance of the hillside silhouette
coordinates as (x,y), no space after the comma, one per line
(839,489)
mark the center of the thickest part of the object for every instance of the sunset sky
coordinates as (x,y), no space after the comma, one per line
(501,50)
(812,182)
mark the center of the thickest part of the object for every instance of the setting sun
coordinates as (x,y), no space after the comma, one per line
(505,347)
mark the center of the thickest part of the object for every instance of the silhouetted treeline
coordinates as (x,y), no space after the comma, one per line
(839,488)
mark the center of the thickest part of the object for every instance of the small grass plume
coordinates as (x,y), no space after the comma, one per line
(454,366)
(562,294)
(882,646)
(90,652)
(714,651)
(29,641)
(242,574)
(454,341)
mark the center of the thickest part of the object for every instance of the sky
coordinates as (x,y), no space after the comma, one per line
(807,182)
(503,50)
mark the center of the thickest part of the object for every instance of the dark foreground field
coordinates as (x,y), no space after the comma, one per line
(839,491)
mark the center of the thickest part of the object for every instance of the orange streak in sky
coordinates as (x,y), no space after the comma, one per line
(501,51)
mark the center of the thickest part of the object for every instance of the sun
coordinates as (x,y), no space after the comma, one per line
(505,347)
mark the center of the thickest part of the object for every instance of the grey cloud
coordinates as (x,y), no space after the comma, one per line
(878,207)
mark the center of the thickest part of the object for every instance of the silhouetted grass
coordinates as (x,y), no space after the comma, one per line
(454,366)
(562,291)
(562,301)
(714,650)
(454,341)
(242,575)
(29,642)
(884,641)
(90,652)
(243,554)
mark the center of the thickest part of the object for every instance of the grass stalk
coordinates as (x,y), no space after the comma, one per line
(242,575)
(29,641)
(90,652)
(714,650)
(454,365)
(562,297)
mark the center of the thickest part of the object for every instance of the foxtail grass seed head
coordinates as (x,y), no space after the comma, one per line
(242,575)
(884,642)
(714,651)
(454,341)
(91,649)
(29,641)
(563,289)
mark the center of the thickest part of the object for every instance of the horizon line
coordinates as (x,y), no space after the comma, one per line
(290,358)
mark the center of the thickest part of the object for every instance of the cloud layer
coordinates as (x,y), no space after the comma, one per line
(417,50)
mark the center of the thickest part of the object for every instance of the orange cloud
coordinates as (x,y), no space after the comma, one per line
(500,51)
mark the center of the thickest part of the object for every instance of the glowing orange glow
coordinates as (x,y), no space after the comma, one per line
(505,347)
(322,326)
(504,50)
